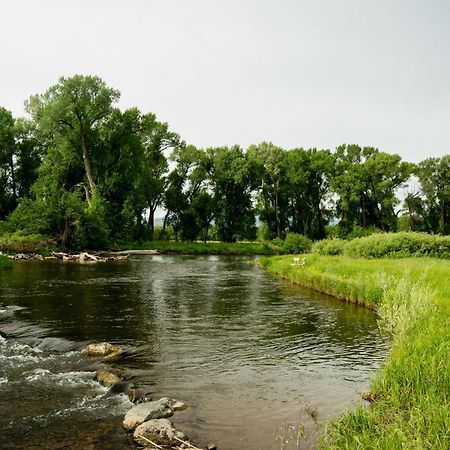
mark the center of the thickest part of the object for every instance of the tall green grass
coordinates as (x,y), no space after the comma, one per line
(391,245)
(18,242)
(411,394)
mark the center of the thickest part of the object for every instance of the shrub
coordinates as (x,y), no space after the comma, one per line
(397,245)
(329,247)
(294,243)
(358,232)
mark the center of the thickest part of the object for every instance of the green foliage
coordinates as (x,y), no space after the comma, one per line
(294,244)
(395,245)
(263,234)
(164,234)
(411,407)
(18,242)
(333,246)
(387,245)
(358,232)
(365,180)
(87,173)
(5,261)
(233,178)
(434,176)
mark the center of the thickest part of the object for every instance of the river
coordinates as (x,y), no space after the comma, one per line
(260,362)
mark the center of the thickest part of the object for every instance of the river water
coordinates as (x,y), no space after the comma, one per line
(260,362)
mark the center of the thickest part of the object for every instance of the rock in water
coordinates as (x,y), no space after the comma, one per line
(176,405)
(108,378)
(159,431)
(103,349)
(141,395)
(145,411)
(158,409)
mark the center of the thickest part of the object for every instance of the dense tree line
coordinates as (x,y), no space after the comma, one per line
(85,172)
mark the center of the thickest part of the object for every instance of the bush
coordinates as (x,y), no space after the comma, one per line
(397,245)
(293,244)
(329,247)
(358,232)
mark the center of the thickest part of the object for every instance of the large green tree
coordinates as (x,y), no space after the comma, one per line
(233,179)
(308,174)
(8,185)
(70,113)
(366,181)
(434,177)
(270,166)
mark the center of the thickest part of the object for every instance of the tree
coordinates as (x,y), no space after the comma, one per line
(366,181)
(434,177)
(270,167)
(8,186)
(308,174)
(186,207)
(72,110)
(233,179)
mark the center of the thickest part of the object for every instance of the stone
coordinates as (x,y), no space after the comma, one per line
(103,349)
(108,378)
(158,409)
(159,431)
(176,405)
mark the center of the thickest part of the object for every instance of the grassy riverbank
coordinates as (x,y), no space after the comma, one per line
(411,394)
(208,248)
(27,243)
(35,243)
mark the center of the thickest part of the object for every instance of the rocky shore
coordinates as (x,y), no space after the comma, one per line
(147,420)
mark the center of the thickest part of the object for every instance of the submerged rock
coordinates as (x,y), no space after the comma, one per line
(159,431)
(176,405)
(109,377)
(140,395)
(104,349)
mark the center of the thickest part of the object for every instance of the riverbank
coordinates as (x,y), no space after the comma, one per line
(12,243)
(205,248)
(411,395)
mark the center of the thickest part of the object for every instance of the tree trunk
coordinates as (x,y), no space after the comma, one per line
(161,234)
(87,165)
(13,177)
(151,224)
(277,216)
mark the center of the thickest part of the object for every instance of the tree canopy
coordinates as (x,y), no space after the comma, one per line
(89,174)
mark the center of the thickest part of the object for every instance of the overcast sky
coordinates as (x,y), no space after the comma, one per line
(297,73)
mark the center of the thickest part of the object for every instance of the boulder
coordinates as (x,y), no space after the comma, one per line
(159,431)
(158,409)
(103,349)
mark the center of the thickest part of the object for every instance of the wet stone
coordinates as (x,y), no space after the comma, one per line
(159,431)
(158,409)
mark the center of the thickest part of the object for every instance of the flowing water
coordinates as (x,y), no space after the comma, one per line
(260,362)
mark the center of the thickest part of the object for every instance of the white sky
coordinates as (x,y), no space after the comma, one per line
(296,72)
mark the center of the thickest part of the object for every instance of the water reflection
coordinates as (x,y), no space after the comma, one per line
(247,351)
